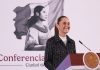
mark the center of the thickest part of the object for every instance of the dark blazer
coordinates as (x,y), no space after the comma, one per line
(56,51)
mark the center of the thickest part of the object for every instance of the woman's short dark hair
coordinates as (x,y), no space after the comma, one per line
(35,17)
(38,9)
(56,29)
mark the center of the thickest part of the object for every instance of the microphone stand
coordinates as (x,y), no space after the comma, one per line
(87,48)
(84,45)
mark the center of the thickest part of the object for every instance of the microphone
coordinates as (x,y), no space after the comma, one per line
(84,45)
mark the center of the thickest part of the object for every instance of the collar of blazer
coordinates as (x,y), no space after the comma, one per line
(57,39)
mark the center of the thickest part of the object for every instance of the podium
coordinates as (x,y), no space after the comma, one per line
(72,60)
(77,59)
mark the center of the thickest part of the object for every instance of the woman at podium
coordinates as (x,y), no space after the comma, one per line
(60,45)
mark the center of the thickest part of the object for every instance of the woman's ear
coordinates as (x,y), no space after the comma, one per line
(37,13)
(57,25)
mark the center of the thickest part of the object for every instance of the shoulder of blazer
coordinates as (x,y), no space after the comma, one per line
(50,40)
(54,39)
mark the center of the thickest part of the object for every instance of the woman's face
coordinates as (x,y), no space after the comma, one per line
(43,14)
(64,25)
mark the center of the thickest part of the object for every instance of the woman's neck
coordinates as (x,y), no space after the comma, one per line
(62,34)
(39,21)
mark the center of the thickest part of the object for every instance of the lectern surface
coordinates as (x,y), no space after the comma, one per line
(82,67)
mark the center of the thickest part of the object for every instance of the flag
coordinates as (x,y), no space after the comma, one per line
(22,15)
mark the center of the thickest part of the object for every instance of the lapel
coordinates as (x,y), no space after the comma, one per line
(58,40)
